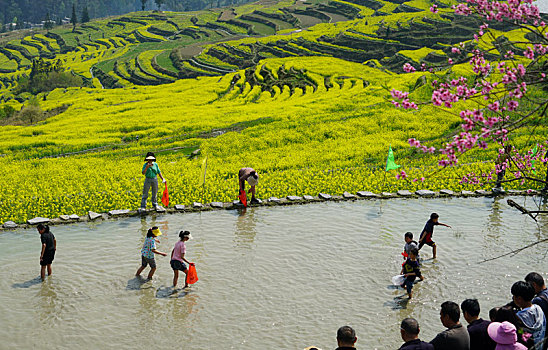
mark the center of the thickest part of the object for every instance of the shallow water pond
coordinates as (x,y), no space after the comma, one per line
(272,277)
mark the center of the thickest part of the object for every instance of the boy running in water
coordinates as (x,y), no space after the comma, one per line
(428,231)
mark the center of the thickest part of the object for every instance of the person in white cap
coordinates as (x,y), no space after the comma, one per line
(249,175)
(151,170)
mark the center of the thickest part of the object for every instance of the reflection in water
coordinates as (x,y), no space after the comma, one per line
(494,221)
(49,309)
(147,312)
(245,227)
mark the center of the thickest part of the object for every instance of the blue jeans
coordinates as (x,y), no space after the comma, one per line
(148,183)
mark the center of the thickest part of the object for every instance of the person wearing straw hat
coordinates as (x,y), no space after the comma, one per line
(148,251)
(249,175)
(505,335)
(151,170)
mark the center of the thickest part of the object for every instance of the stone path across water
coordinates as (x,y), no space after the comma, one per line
(289,200)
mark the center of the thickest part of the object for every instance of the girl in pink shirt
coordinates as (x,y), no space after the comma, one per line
(178,257)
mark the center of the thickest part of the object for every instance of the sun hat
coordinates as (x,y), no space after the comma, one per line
(156,231)
(150,156)
(503,333)
(252,180)
(183,233)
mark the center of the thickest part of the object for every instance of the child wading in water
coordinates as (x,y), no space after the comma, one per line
(178,257)
(47,254)
(409,244)
(428,231)
(411,271)
(148,251)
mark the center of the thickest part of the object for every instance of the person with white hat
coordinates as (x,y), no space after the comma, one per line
(151,170)
(249,175)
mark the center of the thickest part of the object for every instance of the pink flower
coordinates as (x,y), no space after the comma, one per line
(434,9)
(408,68)
(529,53)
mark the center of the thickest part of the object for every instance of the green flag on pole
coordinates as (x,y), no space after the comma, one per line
(535,151)
(390,163)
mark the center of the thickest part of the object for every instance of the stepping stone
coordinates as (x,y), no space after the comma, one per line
(447,192)
(237,203)
(38,220)
(9,225)
(64,217)
(197,205)
(160,209)
(294,198)
(367,194)
(74,217)
(308,198)
(348,195)
(387,194)
(218,205)
(324,196)
(467,193)
(118,212)
(514,192)
(484,192)
(179,207)
(404,193)
(274,200)
(425,193)
(94,216)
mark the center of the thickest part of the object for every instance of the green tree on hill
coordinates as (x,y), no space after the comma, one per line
(85,15)
(143,4)
(73,19)
(159,3)
(47,76)
(48,23)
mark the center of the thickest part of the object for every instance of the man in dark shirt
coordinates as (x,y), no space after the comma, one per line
(428,231)
(47,253)
(409,330)
(477,327)
(455,337)
(346,338)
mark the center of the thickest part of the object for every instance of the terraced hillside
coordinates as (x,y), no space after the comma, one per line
(158,48)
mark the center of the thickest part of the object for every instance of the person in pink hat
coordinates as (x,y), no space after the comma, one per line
(505,335)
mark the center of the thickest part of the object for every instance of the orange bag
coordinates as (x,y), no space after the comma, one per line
(191,276)
(165,197)
(243,198)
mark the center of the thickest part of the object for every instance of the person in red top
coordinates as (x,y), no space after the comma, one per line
(428,231)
